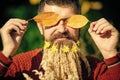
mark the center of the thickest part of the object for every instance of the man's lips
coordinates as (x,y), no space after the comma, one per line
(62,38)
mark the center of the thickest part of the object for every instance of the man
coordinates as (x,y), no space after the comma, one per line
(61,58)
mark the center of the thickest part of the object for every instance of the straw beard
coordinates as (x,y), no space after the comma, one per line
(60,64)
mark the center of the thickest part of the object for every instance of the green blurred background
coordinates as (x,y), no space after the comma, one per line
(25,9)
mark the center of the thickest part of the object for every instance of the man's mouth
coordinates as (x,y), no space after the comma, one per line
(64,38)
(60,37)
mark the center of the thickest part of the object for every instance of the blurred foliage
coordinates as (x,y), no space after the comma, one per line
(34,2)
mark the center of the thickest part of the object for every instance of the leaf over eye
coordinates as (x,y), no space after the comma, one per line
(77,21)
(47,18)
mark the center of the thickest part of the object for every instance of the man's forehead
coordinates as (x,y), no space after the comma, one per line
(64,12)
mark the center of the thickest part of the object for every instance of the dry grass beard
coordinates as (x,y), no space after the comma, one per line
(61,61)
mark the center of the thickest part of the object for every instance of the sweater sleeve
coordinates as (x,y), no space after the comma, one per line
(4,63)
(108,69)
(18,63)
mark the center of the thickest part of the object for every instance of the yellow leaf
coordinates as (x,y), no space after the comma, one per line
(77,21)
(47,19)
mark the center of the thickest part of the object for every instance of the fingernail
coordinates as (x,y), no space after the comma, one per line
(101,32)
(94,29)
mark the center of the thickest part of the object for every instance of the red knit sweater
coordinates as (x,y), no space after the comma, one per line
(26,62)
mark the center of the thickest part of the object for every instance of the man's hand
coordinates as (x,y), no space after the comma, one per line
(11,34)
(105,35)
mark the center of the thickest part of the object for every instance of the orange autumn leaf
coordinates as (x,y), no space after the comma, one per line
(77,21)
(47,19)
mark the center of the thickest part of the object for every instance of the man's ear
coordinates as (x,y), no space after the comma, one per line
(40,27)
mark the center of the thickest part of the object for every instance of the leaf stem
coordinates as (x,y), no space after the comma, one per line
(30,19)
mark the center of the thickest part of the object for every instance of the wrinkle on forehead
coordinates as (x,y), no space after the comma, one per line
(64,12)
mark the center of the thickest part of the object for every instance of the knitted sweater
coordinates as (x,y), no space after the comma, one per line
(29,61)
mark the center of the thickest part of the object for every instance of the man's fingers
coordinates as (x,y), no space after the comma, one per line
(91,26)
(99,23)
(20,23)
(100,26)
(16,25)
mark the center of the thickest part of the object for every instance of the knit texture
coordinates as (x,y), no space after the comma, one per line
(29,61)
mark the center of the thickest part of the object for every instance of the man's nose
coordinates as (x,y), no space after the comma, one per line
(61,27)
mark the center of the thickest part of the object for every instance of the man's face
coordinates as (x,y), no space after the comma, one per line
(63,51)
(60,31)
